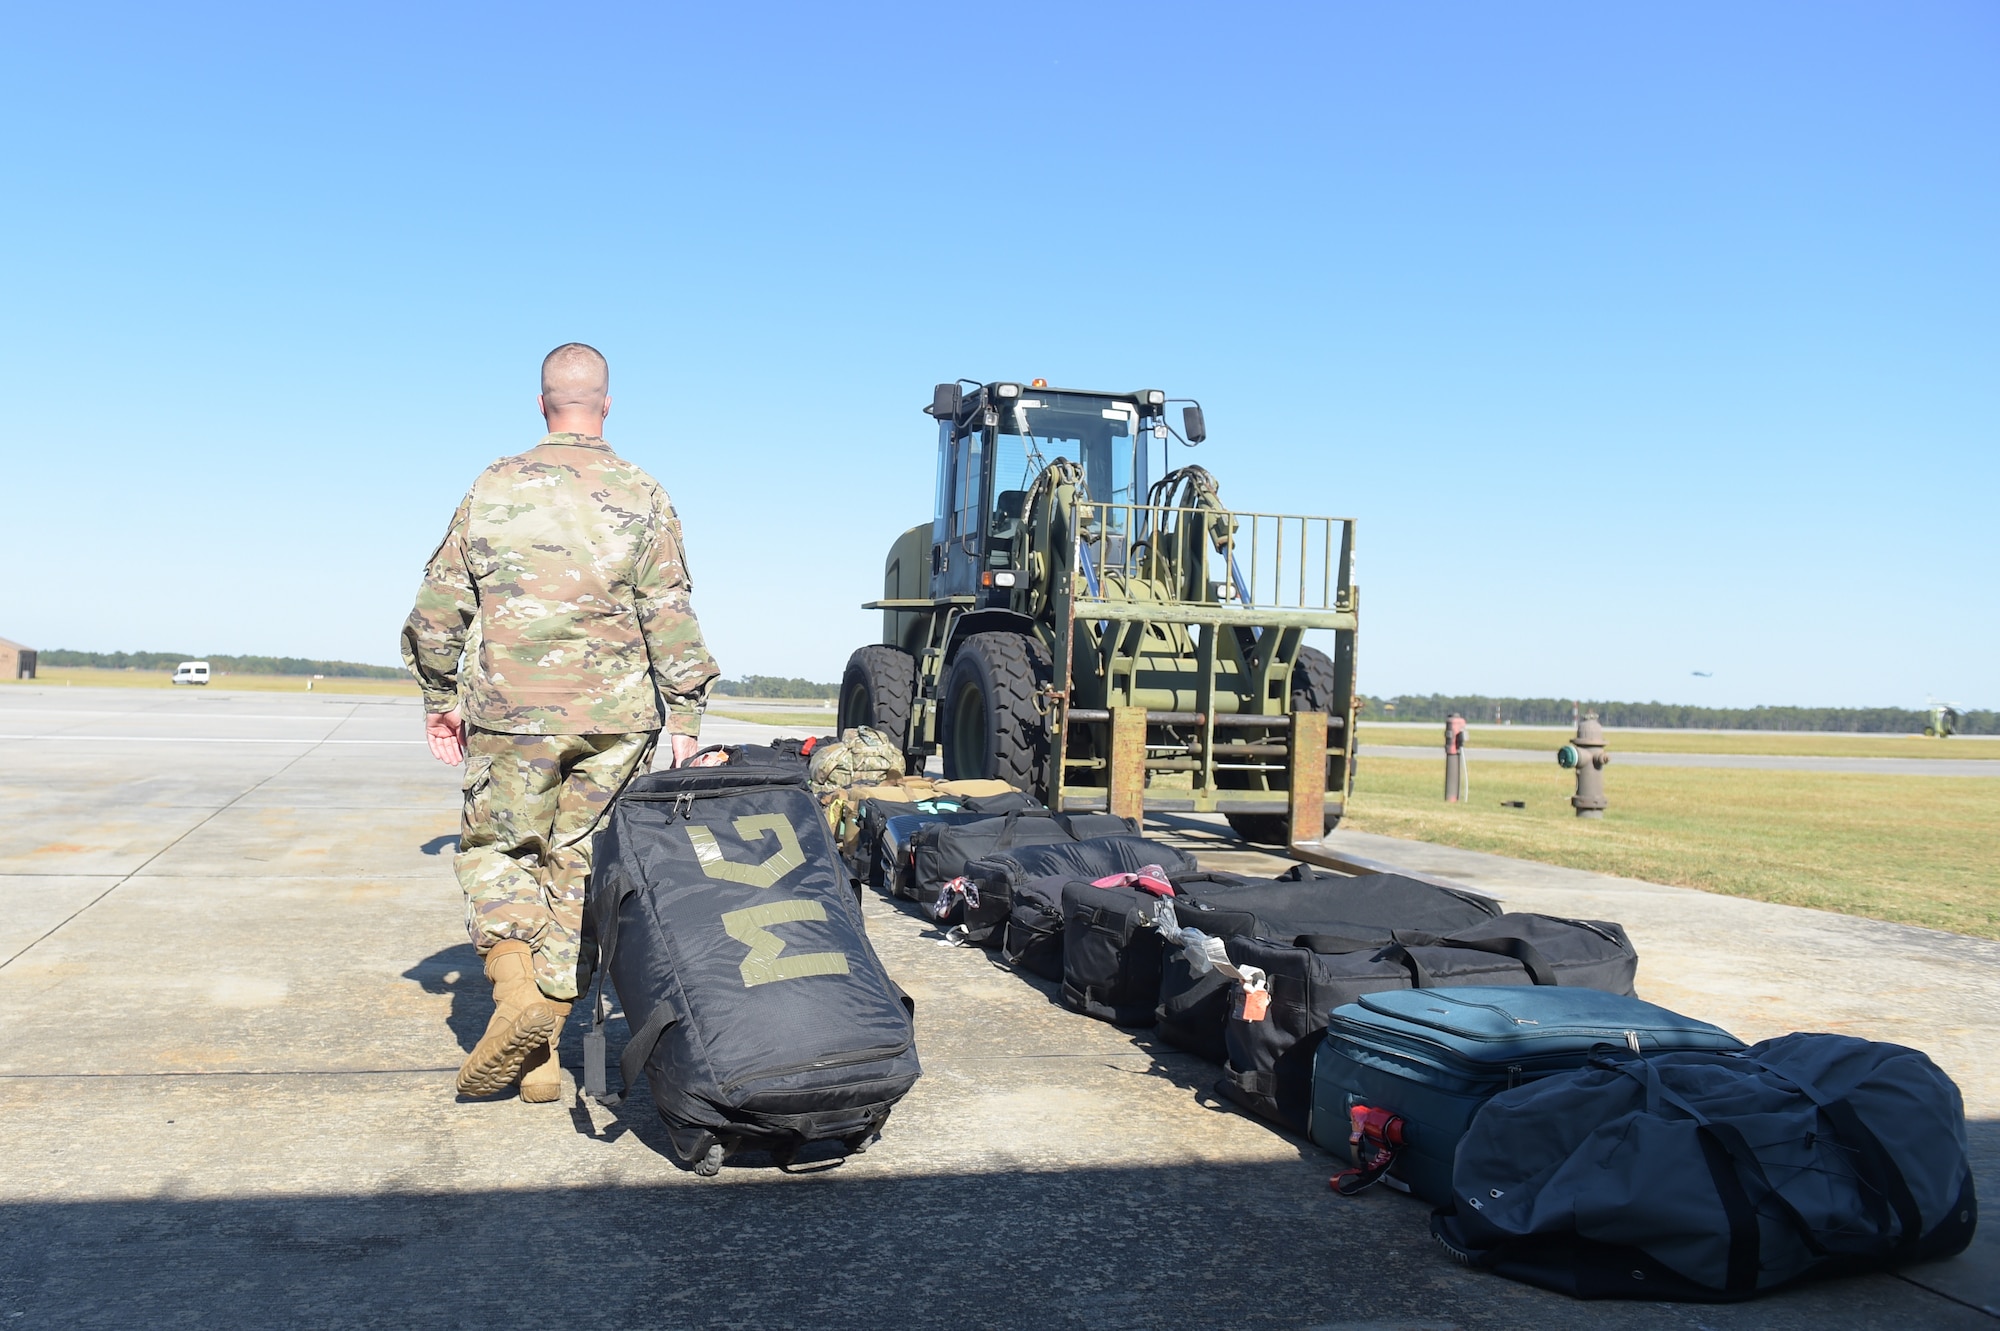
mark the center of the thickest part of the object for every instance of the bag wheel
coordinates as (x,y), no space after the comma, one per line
(858,1144)
(710,1163)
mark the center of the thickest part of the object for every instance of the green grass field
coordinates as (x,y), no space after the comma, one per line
(1549,739)
(88,676)
(1915,850)
(798,717)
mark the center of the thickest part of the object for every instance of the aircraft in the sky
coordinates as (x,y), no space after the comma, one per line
(1704,674)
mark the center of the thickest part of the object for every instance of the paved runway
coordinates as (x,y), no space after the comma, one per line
(235,983)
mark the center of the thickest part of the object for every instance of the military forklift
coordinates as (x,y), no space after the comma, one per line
(1087,622)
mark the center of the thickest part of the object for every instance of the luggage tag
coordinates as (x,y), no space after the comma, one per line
(1256,1004)
(595,1083)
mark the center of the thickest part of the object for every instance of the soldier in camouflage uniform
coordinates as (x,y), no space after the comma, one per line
(553,639)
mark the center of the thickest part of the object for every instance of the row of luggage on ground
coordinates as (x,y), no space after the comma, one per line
(1495,1064)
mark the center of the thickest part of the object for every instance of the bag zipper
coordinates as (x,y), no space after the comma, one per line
(676,796)
(844,1061)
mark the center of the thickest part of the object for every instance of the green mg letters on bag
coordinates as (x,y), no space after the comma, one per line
(760,1015)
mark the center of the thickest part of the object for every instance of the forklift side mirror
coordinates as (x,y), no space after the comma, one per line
(945,399)
(1192,426)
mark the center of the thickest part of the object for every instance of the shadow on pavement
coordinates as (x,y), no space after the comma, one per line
(1185,1246)
(459,972)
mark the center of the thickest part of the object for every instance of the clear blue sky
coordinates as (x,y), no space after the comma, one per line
(1640,340)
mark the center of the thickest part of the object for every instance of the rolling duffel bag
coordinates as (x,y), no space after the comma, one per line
(760,1015)
(1269,1065)
(1194,1007)
(1400,1075)
(995,877)
(1715,1177)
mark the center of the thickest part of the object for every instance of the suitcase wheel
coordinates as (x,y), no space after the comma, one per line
(710,1163)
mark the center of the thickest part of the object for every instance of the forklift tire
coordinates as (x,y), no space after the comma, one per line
(876,690)
(1271,829)
(991,727)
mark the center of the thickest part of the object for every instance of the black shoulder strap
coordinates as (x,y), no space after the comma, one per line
(640,1047)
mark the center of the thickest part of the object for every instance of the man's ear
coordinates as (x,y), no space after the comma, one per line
(607,407)
(542,405)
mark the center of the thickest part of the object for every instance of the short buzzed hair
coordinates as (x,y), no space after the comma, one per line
(575,375)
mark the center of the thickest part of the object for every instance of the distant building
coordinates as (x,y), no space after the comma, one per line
(16,661)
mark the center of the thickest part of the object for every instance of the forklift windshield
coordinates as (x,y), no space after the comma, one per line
(1099,432)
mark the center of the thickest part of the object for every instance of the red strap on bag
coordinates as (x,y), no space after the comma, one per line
(1152,879)
(1376,1138)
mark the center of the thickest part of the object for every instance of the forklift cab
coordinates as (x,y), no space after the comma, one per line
(995,440)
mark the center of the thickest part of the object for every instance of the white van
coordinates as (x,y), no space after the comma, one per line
(191,672)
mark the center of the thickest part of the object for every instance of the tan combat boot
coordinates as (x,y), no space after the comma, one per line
(522,1021)
(541,1078)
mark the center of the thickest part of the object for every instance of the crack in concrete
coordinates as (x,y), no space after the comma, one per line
(251,790)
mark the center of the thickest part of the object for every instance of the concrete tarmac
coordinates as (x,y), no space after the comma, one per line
(235,985)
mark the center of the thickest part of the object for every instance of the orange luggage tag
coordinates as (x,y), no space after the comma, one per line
(1256,1005)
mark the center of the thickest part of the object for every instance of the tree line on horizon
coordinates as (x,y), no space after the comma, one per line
(1482,710)
(1477,708)
(775,686)
(235,665)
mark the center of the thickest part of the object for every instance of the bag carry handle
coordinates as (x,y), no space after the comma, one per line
(1873,1165)
(1520,949)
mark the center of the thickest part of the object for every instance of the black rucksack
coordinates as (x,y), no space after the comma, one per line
(759,1012)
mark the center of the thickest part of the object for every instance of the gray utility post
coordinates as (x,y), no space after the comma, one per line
(1587,754)
(1455,789)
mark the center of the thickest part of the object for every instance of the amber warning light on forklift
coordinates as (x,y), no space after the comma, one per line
(1038,383)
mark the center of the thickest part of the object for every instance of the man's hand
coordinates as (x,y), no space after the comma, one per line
(446,733)
(682,748)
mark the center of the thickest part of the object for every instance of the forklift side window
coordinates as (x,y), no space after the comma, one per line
(941,512)
(965,481)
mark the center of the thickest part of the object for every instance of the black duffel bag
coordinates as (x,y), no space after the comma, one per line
(893,852)
(1715,1177)
(996,877)
(760,1015)
(1033,937)
(1111,952)
(1193,1008)
(1268,1065)
(1522,949)
(939,853)
(867,857)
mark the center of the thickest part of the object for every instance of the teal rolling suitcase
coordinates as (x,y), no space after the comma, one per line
(1405,1070)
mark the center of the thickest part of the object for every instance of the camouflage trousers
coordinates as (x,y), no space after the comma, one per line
(531,804)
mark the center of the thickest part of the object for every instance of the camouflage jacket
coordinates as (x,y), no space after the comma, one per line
(564,566)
